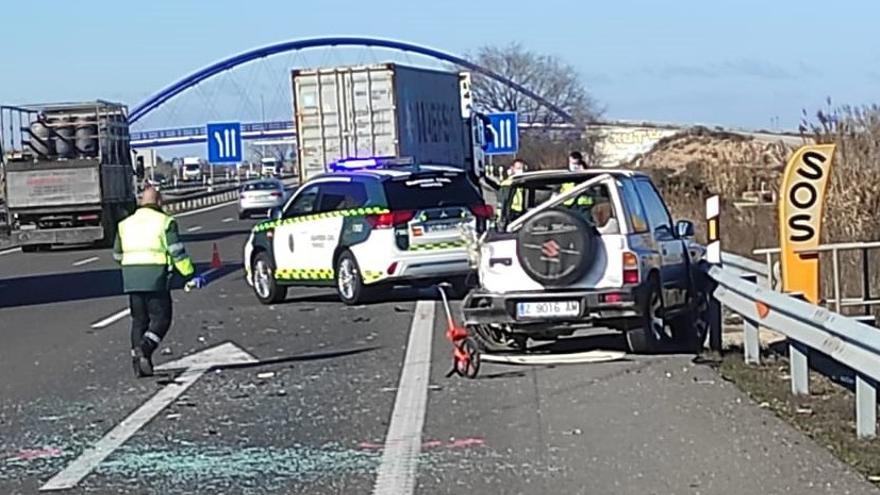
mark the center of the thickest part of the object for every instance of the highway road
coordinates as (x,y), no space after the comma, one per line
(328,399)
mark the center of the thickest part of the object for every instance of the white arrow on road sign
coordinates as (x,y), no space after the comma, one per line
(194,366)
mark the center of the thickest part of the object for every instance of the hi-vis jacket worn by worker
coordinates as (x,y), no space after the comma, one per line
(148,247)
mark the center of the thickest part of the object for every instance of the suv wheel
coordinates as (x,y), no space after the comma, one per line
(266,287)
(648,335)
(349,284)
(690,329)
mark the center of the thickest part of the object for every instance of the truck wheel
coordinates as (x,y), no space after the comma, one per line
(266,288)
(349,284)
(34,248)
(646,337)
(492,339)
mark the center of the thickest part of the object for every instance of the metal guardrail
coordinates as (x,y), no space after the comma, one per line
(807,327)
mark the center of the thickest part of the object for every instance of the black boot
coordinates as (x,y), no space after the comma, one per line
(142,364)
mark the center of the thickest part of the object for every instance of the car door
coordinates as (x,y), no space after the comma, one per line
(673,271)
(289,233)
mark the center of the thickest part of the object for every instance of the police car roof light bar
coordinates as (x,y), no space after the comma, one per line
(370,163)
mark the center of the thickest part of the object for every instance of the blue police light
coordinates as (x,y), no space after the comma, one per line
(369,163)
(354,164)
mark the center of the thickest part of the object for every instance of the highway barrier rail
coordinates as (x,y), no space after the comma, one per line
(807,327)
(201,200)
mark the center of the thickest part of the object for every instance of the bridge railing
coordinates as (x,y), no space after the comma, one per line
(808,328)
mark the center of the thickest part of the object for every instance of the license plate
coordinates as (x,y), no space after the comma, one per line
(558,309)
(442,227)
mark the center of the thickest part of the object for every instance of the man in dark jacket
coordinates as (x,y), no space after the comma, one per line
(149,249)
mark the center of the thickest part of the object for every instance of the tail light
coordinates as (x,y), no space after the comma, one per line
(276,194)
(630,268)
(484,212)
(388,220)
(392,268)
(85,218)
(612,297)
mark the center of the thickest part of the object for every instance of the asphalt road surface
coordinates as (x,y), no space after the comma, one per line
(328,399)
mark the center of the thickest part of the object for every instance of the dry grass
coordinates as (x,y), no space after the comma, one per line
(692,166)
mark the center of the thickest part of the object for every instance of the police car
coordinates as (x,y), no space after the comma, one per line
(367,225)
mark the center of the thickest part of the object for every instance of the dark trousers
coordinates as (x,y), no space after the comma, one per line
(150,319)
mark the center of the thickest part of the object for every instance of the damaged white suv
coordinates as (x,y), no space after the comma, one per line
(593,248)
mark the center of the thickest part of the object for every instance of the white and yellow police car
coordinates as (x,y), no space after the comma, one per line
(368,224)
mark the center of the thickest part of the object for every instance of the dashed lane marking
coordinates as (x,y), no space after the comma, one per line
(86,261)
(10,251)
(195,228)
(106,322)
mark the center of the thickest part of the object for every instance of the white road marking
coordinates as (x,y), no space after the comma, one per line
(203,210)
(10,251)
(595,356)
(227,219)
(397,472)
(195,228)
(112,319)
(195,366)
(86,261)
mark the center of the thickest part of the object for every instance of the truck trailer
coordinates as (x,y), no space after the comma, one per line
(67,173)
(386,110)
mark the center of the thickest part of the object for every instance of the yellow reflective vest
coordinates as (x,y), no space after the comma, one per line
(148,247)
(516,203)
(581,200)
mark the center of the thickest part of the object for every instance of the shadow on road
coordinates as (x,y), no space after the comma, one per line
(79,286)
(212,236)
(397,295)
(605,342)
(167,377)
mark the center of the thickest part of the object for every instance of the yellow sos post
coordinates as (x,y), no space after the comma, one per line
(800,217)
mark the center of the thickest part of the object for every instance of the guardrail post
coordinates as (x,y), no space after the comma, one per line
(751,337)
(713,256)
(866,407)
(798,360)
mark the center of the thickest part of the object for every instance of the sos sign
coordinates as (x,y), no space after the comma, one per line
(800,217)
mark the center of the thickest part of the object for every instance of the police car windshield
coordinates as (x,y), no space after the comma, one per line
(431,191)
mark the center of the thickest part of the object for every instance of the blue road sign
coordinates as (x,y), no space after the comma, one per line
(224,142)
(505,133)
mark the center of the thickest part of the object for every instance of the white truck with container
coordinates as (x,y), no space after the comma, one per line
(66,172)
(386,110)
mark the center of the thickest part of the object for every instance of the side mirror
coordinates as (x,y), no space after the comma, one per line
(274,213)
(684,229)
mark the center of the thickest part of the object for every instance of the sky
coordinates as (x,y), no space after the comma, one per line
(749,64)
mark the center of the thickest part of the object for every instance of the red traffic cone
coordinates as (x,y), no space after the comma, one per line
(215,258)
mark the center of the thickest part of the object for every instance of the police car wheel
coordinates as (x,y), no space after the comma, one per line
(266,287)
(349,284)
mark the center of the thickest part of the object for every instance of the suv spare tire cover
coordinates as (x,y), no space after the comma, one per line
(556,247)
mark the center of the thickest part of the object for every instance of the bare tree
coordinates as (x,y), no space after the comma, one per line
(549,77)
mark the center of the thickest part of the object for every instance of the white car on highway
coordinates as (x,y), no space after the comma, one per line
(260,197)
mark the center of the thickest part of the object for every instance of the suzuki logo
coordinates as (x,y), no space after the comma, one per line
(550,249)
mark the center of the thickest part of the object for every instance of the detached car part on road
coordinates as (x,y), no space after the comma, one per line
(575,250)
(365,230)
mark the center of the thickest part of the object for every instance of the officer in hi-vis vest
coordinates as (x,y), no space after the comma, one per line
(149,249)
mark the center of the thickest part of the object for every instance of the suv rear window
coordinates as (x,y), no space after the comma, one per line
(430,191)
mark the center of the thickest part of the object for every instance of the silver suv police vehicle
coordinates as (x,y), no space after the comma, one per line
(366,226)
(576,250)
